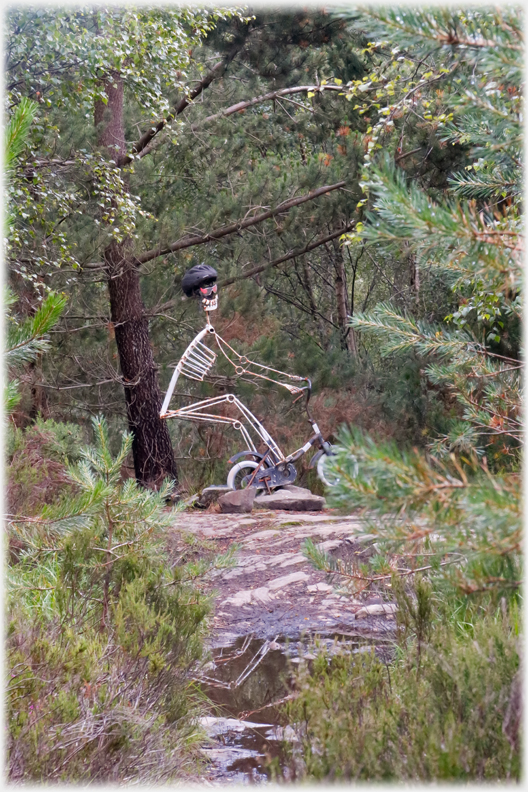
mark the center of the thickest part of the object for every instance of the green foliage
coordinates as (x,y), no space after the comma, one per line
(17,130)
(426,133)
(63,59)
(450,712)
(486,386)
(474,243)
(16,138)
(60,442)
(102,633)
(25,340)
(149,47)
(36,457)
(456,236)
(475,73)
(468,519)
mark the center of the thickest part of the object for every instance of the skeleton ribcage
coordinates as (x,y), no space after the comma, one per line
(195,363)
(197,360)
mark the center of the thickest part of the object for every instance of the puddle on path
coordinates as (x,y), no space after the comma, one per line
(248,684)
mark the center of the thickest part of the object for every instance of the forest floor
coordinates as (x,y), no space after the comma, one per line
(272,610)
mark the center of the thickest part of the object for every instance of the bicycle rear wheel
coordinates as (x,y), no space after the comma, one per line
(239,475)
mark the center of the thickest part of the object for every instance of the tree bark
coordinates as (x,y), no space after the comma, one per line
(151,446)
(414,274)
(348,341)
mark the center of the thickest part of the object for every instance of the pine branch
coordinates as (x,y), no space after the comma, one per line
(451,236)
(420,30)
(288,256)
(17,130)
(398,333)
(26,340)
(484,185)
(239,107)
(237,226)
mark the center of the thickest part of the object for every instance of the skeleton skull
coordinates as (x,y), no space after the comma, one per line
(209,297)
(200,281)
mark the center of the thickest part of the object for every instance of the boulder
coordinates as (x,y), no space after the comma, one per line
(211,494)
(237,501)
(291,498)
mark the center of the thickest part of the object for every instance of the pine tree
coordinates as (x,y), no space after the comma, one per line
(24,340)
(265,151)
(95,54)
(464,497)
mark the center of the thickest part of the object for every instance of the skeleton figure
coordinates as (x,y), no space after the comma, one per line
(198,360)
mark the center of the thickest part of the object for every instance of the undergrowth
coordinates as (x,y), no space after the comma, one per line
(446,707)
(102,632)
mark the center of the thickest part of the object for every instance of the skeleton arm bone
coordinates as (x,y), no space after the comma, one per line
(243,367)
(198,359)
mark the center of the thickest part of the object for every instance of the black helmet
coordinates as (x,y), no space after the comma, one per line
(200,275)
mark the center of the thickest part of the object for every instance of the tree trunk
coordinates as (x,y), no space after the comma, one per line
(306,283)
(151,447)
(348,340)
(414,275)
(39,400)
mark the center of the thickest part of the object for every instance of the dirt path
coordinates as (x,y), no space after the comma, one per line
(267,607)
(272,589)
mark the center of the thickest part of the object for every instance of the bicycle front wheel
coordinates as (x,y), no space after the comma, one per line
(327,476)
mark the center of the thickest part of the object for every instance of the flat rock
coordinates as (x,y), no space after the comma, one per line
(271,589)
(384,609)
(296,558)
(295,490)
(214,726)
(286,580)
(320,587)
(299,499)
(242,597)
(237,501)
(262,594)
(260,535)
(330,544)
(211,494)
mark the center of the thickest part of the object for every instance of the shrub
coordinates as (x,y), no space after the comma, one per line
(101,634)
(37,457)
(448,712)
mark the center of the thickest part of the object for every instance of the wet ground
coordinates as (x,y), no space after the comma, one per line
(270,607)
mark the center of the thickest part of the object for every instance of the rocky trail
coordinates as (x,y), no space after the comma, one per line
(268,609)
